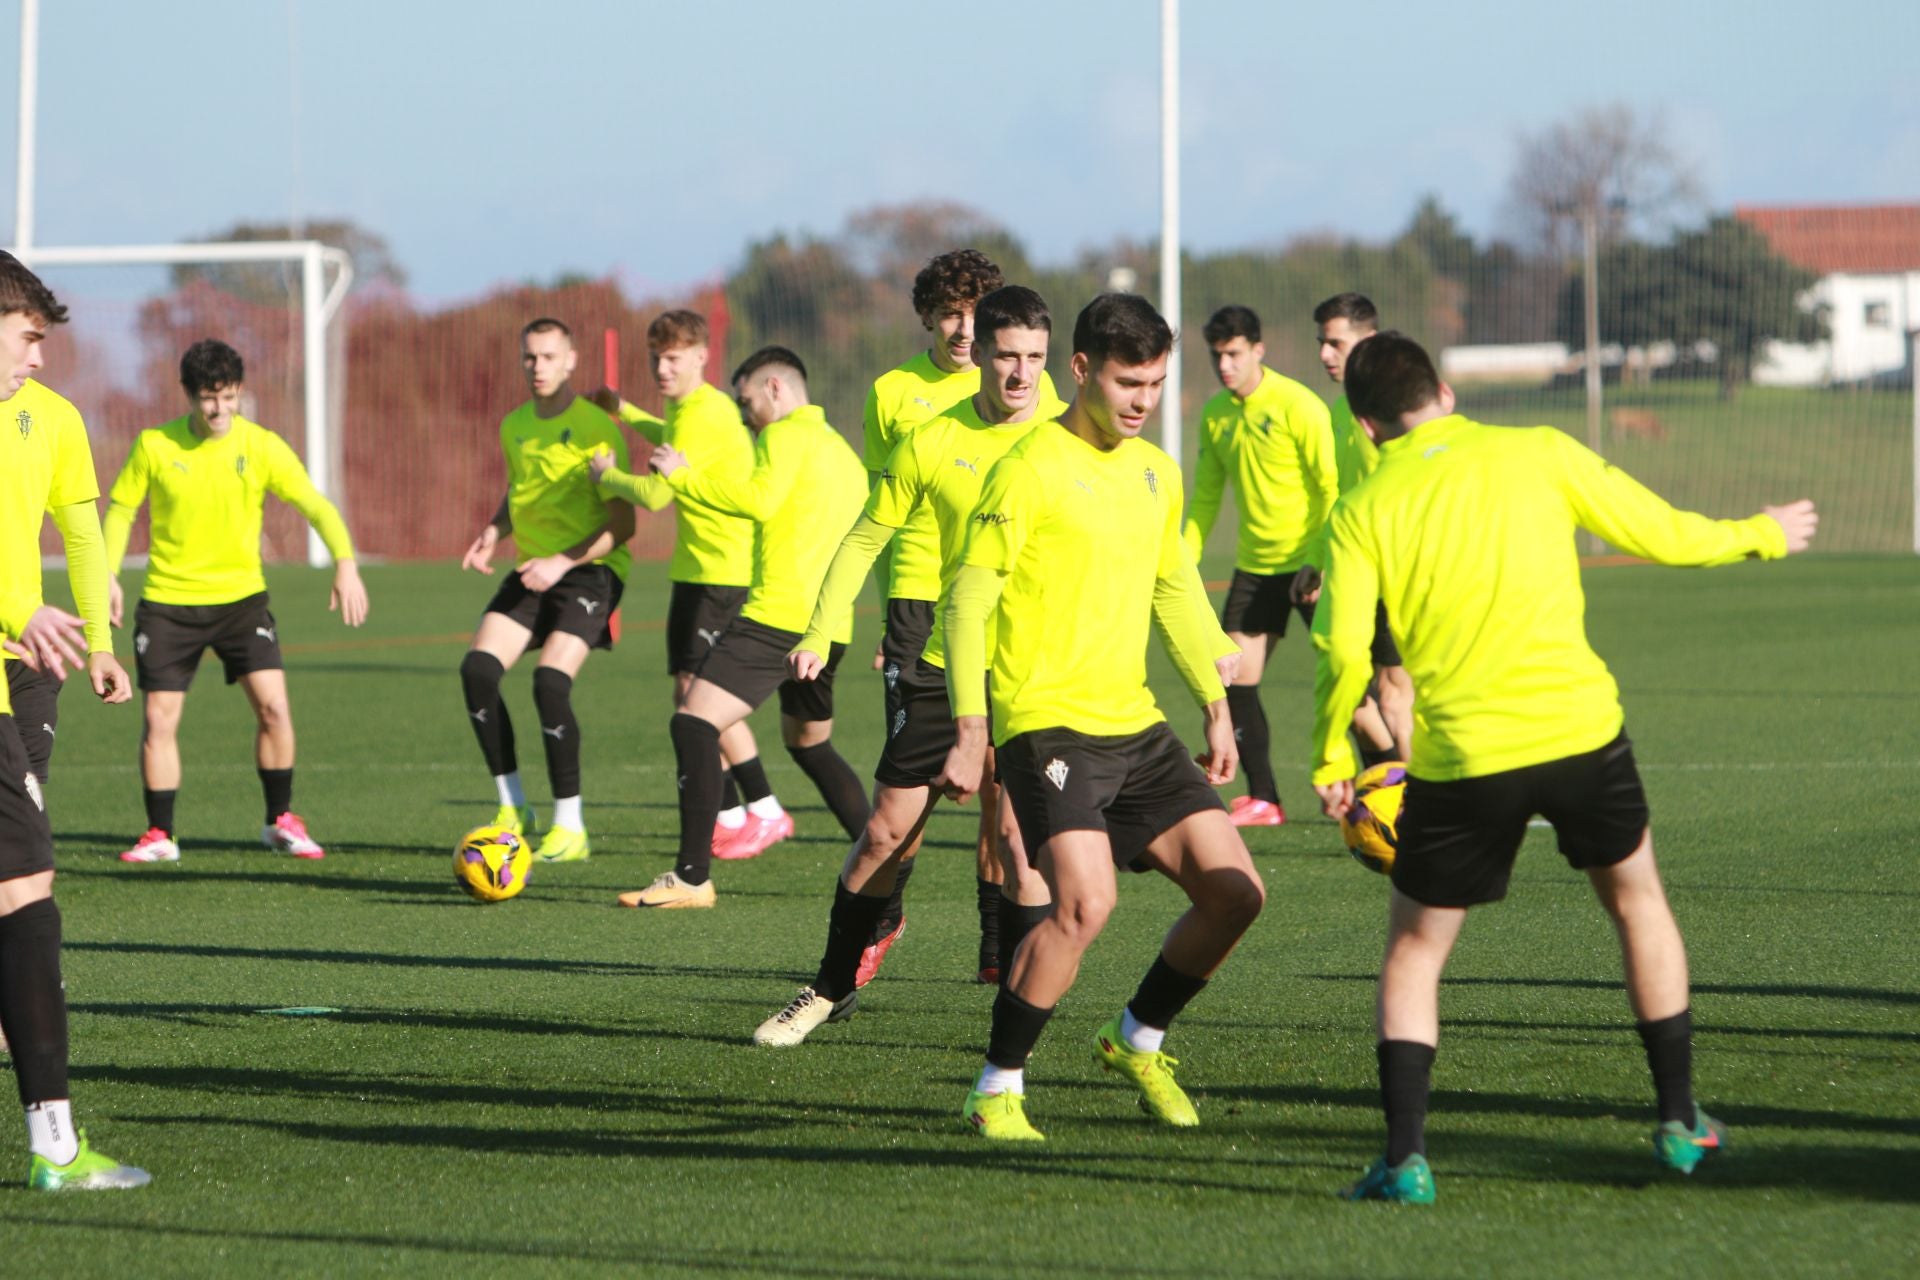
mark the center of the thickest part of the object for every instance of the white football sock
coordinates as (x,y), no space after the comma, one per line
(1140,1037)
(566,813)
(766,807)
(734,818)
(50,1131)
(511,793)
(1001,1080)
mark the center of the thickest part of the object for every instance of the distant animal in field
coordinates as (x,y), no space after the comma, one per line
(1642,423)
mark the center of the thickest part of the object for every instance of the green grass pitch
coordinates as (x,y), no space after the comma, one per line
(556,1084)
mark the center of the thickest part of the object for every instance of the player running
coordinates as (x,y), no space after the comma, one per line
(712,563)
(41,464)
(208,474)
(804,491)
(572,569)
(937,467)
(1077,542)
(1467,533)
(1270,436)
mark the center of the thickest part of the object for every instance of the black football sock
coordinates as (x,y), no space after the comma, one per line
(1016,1029)
(696,750)
(729,792)
(1016,922)
(987,899)
(33,1003)
(896,901)
(1406,1073)
(160,808)
(559,731)
(480,675)
(837,783)
(849,928)
(1163,993)
(277,784)
(1669,1044)
(751,777)
(1250,731)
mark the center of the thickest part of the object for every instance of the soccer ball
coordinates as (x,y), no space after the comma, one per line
(1371,827)
(491,863)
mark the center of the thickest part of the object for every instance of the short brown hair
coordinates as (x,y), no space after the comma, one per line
(674,329)
(957,279)
(1388,376)
(546,324)
(23,291)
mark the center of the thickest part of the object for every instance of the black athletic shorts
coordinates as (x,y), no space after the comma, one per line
(1385,652)
(750,662)
(577,605)
(920,729)
(26,842)
(1133,787)
(1259,604)
(909,624)
(1458,839)
(169,639)
(36,713)
(696,616)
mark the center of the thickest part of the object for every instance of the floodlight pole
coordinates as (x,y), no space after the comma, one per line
(1590,234)
(29,99)
(1170,423)
(1913,371)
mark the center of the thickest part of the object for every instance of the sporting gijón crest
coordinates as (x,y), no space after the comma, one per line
(25,420)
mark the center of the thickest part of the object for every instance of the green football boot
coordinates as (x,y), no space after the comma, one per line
(1678,1147)
(1409,1182)
(1000,1117)
(87,1171)
(1151,1073)
(564,844)
(517,820)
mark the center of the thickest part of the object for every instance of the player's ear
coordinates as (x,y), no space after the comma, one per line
(1079,367)
(1366,425)
(1446,399)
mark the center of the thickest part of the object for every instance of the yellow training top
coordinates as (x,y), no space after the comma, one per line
(1467,533)
(1089,541)
(208,498)
(1277,447)
(804,493)
(710,546)
(46,465)
(551,497)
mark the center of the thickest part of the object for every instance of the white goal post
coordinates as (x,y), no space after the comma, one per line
(319,305)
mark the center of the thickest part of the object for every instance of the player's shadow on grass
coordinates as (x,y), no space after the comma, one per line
(1879,995)
(216,844)
(409,892)
(379,959)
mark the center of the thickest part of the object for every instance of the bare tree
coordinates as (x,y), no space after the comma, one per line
(1609,164)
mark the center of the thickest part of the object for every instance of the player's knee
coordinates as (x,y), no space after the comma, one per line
(1240,896)
(1084,916)
(552,692)
(273,715)
(883,836)
(691,735)
(480,676)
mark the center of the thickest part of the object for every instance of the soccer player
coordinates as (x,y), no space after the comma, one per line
(1077,542)
(1467,533)
(938,466)
(805,490)
(209,472)
(49,468)
(945,293)
(712,563)
(1383,724)
(33,473)
(572,568)
(1270,436)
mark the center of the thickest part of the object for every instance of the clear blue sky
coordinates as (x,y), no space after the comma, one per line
(497,141)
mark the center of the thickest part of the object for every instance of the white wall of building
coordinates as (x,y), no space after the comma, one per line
(1868,320)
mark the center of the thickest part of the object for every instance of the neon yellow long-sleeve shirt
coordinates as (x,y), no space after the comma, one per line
(1276,447)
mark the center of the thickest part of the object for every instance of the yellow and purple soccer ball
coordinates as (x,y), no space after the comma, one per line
(491,863)
(1372,826)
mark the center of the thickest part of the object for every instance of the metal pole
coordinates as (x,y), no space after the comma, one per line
(1590,232)
(1170,421)
(29,95)
(1913,369)
(319,454)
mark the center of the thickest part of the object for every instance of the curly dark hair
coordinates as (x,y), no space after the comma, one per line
(209,365)
(956,279)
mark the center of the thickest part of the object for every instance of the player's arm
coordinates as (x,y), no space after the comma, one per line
(1320,470)
(1201,651)
(79,525)
(971,600)
(1343,639)
(898,491)
(650,491)
(1209,485)
(287,480)
(479,556)
(123,504)
(1609,502)
(756,496)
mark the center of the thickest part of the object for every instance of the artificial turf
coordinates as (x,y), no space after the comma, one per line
(556,1083)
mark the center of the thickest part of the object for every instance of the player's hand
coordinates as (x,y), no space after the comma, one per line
(349,594)
(805,664)
(1221,759)
(541,574)
(1798,520)
(599,462)
(880,655)
(116,602)
(479,555)
(666,459)
(966,761)
(1336,798)
(1306,585)
(109,678)
(55,641)
(607,400)
(1228,667)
